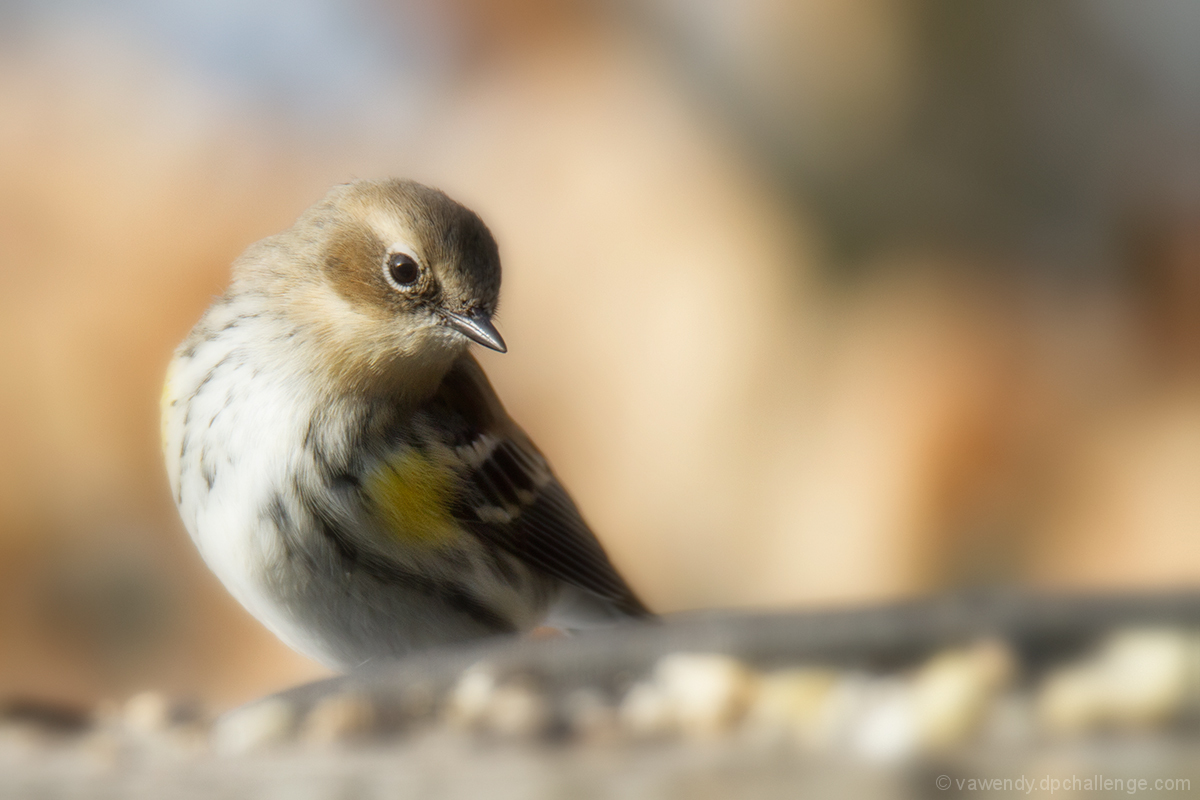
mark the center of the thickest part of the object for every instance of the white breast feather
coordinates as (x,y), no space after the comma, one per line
(251,417)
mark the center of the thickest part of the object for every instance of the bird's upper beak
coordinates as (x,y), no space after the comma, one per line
(476,326)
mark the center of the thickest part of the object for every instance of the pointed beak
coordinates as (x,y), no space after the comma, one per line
(476,326)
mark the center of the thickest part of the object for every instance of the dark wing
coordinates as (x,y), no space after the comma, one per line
(508,495)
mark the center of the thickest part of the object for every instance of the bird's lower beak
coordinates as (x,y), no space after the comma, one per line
(476,326)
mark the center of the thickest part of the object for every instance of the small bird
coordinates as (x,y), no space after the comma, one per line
(340,459)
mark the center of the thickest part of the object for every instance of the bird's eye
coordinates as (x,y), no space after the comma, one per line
(402,270)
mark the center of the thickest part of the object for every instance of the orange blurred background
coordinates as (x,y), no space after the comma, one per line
(808,302)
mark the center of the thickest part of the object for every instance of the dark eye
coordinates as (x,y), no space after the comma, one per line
(403,270)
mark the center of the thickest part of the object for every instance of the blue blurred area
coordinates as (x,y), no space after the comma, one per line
(318,65)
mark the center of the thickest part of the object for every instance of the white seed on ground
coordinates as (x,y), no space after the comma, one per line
(1138,678)
(791,702)
(886,730)
(479,702)
(518,711)
(339,718)
(953,691)
(255,727)
(1152,673)
(706,694)
(467,705)
(147,713)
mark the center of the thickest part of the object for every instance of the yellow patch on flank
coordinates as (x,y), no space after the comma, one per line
(413,495)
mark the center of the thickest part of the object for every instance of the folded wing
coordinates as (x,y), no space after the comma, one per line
(508,496)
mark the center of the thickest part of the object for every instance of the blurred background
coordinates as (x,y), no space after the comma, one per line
(810,303)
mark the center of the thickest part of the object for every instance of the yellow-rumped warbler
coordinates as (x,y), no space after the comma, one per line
(341,460)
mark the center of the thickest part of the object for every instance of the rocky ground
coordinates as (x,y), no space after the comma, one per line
(1054,696)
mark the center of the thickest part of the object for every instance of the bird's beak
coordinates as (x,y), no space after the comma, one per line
(476,326)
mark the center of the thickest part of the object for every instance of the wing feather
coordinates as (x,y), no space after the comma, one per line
(510,497)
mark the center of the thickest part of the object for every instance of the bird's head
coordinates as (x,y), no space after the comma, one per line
(390,280)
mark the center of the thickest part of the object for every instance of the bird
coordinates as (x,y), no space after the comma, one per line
(340,459)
